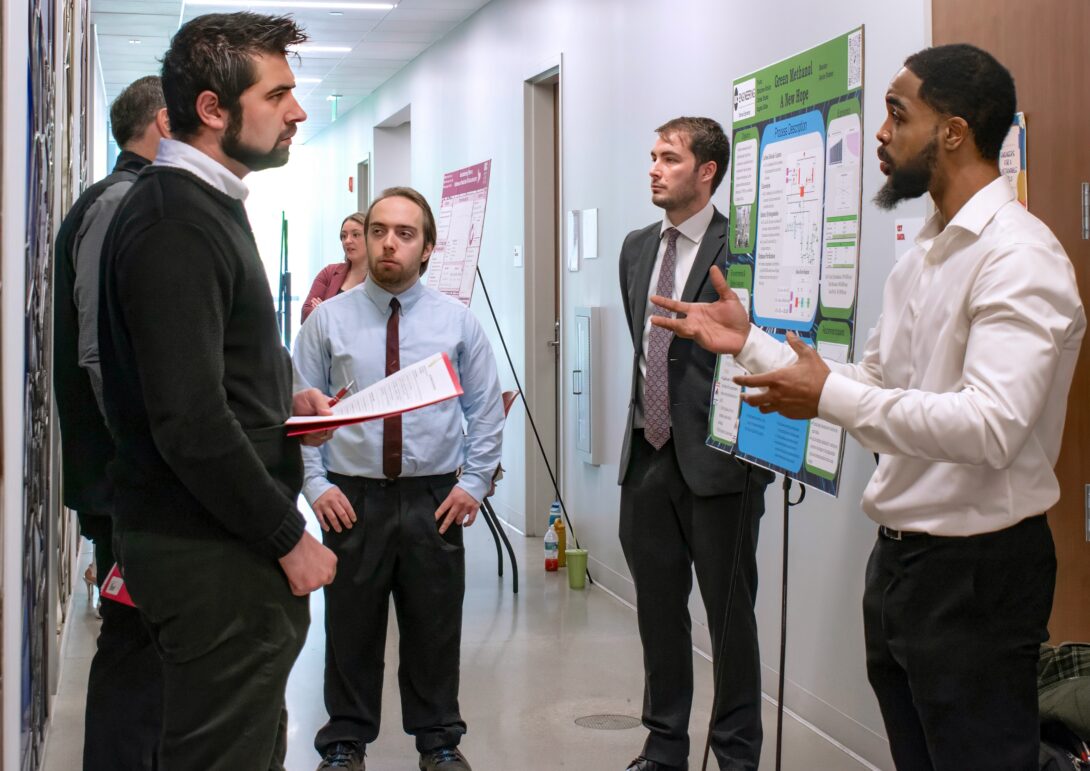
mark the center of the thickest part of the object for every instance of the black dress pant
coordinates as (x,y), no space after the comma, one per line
(228,630)
(124,711)
(394,548)
(953,628)
(665,531)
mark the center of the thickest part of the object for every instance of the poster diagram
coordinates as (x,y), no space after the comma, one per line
(452,268)
(796,187)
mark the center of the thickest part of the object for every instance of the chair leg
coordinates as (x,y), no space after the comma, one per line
(507,543)
(495,537)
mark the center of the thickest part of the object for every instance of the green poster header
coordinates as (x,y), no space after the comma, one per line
(818,75)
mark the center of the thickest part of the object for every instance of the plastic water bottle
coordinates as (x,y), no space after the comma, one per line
(554,512)
(552,559)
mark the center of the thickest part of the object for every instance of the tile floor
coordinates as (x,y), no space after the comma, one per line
(531,664)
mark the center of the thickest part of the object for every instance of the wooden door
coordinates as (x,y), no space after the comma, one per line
(1043,43)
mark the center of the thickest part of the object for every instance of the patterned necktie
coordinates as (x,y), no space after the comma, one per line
(391,427)
(656,392)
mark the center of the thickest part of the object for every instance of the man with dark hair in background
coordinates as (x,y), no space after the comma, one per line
(681,500)
(962,390)
(389,495)
(125,686)
(197,387)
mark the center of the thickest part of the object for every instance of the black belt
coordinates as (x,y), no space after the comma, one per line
(898,535)
(403,482)
(901,535)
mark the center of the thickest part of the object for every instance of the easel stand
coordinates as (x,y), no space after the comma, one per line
(787,505)
(533,425)
(719,656)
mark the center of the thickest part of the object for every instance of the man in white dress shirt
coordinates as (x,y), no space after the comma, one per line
(962,390)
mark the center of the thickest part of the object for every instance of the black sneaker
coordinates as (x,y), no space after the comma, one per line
(444,759)
(646,764)
(343,756)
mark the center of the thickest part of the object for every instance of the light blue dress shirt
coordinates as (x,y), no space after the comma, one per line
(344,339)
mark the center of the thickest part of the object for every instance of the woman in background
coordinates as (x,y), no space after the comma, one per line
(341,276)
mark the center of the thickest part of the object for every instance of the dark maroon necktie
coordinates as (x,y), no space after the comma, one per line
(656,390)
(391,427)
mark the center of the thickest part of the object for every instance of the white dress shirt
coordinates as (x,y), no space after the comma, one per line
(963,384)
(206,168)
(691,233)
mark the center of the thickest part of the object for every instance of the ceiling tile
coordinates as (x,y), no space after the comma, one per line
(382,43)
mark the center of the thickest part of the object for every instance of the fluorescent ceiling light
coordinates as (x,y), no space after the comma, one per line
(347,6)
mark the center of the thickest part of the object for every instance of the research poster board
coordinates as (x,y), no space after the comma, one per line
(452,267)
(793,244)
(1012,159)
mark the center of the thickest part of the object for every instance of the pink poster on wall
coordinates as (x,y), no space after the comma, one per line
(452,268)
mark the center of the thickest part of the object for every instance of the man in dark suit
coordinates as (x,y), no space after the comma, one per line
(681,500)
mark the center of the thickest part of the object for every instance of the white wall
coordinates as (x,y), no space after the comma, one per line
(13,112)
(629,65)
(98,129)
(392,155)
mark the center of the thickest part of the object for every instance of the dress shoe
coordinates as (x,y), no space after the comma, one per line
(644,764)
(444,759)
(343,756)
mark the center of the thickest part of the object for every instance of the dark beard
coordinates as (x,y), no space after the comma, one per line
(910,180)
(250,157)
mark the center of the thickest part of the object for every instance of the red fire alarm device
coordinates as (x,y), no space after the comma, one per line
(350,182)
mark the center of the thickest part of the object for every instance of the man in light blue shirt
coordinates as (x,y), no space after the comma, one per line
(389,495)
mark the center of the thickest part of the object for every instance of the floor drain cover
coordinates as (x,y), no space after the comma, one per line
(608,722)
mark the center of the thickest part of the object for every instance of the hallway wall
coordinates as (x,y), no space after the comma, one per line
(628,65)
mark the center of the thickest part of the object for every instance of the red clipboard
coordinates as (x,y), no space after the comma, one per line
(302,425)
(113,588)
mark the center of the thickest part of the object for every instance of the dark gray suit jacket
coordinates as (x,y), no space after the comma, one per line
(690,368)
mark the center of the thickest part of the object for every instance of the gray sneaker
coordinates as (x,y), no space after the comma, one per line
(444,759)
(343,756)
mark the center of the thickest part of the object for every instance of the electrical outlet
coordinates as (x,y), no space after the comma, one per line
(518,256)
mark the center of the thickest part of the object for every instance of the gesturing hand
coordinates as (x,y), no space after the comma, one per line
(459,508)
(793,391)
(720,327)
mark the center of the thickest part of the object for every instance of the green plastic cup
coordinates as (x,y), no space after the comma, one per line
(577,568)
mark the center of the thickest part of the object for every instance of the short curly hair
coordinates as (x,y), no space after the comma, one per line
(964,81)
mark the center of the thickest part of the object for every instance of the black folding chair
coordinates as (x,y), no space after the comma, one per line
(489,513)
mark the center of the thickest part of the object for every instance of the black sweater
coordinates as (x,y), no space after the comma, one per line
(196,384)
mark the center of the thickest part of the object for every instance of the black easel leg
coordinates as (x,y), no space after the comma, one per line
(787,504)
(507,543)
(495,537)
(719,655)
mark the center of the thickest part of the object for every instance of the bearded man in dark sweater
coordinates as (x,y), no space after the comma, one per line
(196,387)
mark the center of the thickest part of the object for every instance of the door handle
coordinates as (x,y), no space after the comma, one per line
(1086,211)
